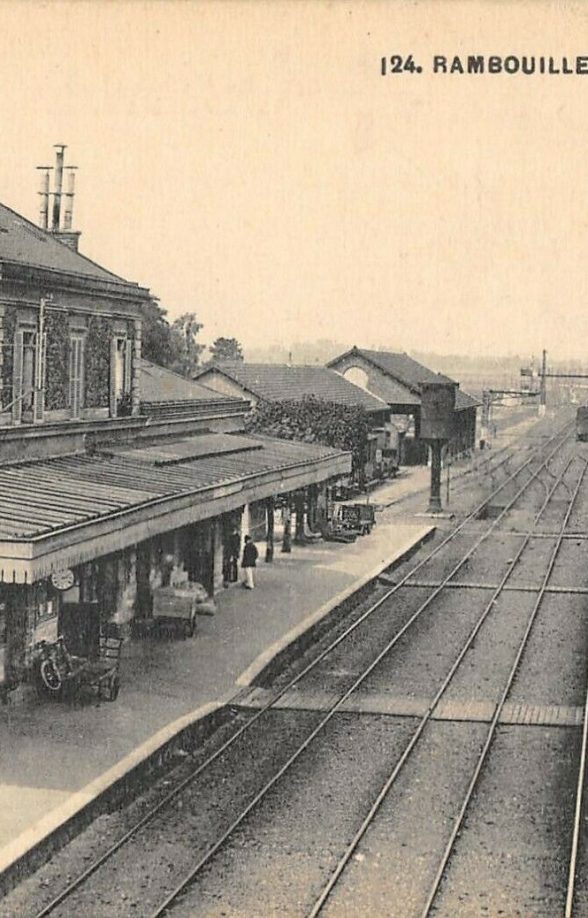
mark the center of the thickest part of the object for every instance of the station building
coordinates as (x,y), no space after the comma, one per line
(112,470)
(396,378)
(267,382)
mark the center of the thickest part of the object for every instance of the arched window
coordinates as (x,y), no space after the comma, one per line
(357,376)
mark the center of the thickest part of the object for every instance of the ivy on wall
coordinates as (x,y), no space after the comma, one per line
(57,361)
(100,331)
(314,420)
(97,375)
(8,355)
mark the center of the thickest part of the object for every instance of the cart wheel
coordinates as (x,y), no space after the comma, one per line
(40,686)
(50,676)
(114,689)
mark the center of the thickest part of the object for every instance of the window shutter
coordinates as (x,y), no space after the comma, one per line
(128,364)
(17,378)
(39,397)
(72,351)
(113,377)
(76,375)
(81,371)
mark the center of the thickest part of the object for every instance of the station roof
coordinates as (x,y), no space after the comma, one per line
(404,368)
(281,382)
(62,511)
(405,376)
(158,384)
(465,400)
(174,452)
(23,243)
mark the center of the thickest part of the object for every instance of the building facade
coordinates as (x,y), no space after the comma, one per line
(116,476)
(396,379)
(264,382)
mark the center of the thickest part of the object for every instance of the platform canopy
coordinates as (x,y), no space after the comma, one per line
(59,512)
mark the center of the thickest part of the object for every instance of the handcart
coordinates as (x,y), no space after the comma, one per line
(357,518)
(102,675)
(366,517)
(174,611)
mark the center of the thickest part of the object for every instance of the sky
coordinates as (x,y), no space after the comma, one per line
(248,162)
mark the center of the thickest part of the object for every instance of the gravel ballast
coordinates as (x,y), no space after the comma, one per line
(511,854)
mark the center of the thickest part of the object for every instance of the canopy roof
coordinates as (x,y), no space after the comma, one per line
(62,511)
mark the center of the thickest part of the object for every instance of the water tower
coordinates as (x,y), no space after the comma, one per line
(437,427)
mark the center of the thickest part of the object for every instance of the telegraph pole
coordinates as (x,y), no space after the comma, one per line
(542,385)
(485,423)
(544,376)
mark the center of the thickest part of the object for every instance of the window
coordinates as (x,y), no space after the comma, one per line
(121,375)
(120,367)
(76,374)
(358,376)
(28,370)
(28,376)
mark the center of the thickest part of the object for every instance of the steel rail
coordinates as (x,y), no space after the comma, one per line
(578,810)
(211,851)
(560,436)
(434,889)
(460,476)
(426,717)
(550,493)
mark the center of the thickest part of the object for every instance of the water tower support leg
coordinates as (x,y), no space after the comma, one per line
(435,497)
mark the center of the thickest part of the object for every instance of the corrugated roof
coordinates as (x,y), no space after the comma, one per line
(23,242)
(173,452)
(280,382)
(158,384)
(39,498)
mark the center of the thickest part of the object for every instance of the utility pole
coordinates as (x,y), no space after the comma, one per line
(542,386)
(544,376)
(40,352)
(485,422)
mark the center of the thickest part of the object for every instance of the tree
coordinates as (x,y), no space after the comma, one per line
(184,331)
(157,341)
(226,349)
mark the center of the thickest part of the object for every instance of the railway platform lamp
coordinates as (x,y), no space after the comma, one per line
(437,428)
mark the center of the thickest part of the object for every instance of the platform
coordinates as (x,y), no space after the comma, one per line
(61,757)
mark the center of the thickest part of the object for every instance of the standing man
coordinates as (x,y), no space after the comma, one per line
(248,563)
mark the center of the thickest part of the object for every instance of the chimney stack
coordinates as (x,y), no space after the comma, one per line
(59,158)
(61,220)
(44,194)
(69,198)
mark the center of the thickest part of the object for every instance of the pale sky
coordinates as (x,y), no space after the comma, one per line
(247,161)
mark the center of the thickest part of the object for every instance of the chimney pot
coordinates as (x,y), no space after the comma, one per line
(59,157)
(44,194)
(61,219)
(69,198)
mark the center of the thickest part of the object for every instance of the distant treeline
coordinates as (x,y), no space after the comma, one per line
(479,371)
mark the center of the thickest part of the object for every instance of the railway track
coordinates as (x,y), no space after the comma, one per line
(579,810)
(530,470)
(426,718)
(439,875)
